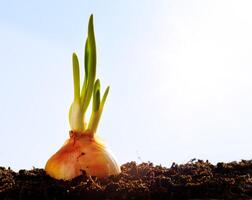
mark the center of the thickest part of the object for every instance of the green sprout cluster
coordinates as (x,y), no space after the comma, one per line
(90,87)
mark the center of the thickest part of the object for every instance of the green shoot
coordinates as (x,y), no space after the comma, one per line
(90,88)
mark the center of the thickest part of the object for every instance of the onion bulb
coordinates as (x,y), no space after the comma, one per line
(83,151)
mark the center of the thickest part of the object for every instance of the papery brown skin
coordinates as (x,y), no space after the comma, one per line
(81,152)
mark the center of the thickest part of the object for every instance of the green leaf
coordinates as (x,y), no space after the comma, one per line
(91,65)
(84,86)
(96,115)
(96,96)
(104,98)
(86,58)
(76,76)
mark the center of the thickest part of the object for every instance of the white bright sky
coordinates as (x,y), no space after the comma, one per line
(180,76)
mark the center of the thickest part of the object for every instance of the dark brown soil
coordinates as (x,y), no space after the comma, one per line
(193,180)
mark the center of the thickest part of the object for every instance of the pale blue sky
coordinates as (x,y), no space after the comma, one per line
(180,76)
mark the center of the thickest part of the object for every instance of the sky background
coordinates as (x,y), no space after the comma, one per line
(179,71)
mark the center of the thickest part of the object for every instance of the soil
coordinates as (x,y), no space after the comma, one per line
(196,179)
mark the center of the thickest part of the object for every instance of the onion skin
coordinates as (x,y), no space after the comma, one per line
(81,152)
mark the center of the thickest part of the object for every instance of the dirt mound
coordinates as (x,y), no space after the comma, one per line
(193,180)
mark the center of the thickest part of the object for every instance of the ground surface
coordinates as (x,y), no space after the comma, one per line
(193,180)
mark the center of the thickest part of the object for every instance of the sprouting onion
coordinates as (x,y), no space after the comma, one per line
(83,151)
